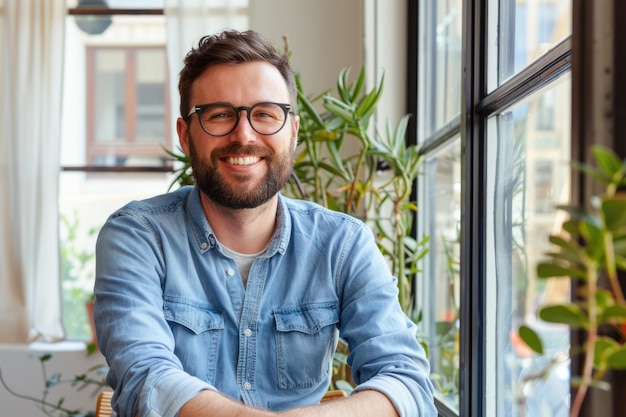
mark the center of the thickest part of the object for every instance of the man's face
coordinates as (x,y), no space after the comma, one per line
(242,169)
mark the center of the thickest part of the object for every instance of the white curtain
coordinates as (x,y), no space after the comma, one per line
(189,20)
(31,65)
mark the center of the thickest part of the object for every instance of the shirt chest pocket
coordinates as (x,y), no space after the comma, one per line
(306,339)
(197,329)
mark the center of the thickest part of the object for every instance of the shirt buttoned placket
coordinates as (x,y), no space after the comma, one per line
(248,335)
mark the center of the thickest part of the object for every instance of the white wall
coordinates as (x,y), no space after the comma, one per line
(22,372)
(324,35)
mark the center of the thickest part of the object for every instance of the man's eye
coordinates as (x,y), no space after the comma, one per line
(218,115)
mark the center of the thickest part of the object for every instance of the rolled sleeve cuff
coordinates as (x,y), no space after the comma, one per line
(414,401)
(170,393)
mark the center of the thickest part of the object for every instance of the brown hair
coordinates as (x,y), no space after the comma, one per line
(232,47)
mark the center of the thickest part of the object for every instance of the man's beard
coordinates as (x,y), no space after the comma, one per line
(213,184)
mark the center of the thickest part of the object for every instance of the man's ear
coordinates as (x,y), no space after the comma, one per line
(183,134)
(296,129)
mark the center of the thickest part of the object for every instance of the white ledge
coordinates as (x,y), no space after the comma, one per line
(63,346)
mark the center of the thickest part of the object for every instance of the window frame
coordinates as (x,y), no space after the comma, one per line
(85,10)
(479,105)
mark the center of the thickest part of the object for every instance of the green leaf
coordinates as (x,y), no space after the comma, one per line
(607,159)
(550,270)
(614,210)
(570,247)
(45,357)
(312,115)
(617,359)
(360,82)
(339,109)
(603,347)
(343,86)
(594,237)
(604,298)
(531,338)
(614,312)
(367,105)
(569,314)
(566,257)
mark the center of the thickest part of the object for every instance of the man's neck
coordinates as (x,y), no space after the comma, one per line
(242,230)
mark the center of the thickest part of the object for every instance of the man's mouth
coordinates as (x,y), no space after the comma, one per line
(242,160)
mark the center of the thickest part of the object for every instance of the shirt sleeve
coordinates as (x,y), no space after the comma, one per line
(132,332)
(384,352)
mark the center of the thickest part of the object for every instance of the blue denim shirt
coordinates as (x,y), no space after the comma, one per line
(173,317)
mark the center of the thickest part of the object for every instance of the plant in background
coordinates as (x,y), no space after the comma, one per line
(94,377)
(344,163)
(183,174)
(77,274)
(591,250)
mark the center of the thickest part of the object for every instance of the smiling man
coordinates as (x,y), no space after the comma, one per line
(227,298)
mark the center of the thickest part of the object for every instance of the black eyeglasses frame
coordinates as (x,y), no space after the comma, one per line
(286,107)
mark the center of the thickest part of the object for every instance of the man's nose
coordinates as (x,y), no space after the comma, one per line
(243,131)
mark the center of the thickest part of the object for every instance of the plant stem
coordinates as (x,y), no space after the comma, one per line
(592,335)
(42,403)
(357,171)
(611,270)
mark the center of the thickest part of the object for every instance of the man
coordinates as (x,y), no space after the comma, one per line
(227,299)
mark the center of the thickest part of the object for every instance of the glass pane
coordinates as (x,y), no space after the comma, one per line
(521,31)
(109,99)
(528,175)
(440,68)
(150,124)
(85,201)
(440,203)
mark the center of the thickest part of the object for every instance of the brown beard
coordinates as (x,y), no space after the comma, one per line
(212,183)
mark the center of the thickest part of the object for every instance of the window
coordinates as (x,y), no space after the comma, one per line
(440,211)
(520,214)
(116,122)
(493,103)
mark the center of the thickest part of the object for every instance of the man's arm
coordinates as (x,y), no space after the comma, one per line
(360,404)
(367,403)
(212,403)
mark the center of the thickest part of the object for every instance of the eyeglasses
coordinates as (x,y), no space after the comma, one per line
(220,119)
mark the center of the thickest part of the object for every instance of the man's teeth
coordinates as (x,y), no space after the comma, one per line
(243,160)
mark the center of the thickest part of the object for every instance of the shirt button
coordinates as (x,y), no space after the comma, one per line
(247,332)
(230,272)
(247,385)
(203,245)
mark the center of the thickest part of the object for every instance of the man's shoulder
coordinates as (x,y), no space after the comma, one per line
(310,211)
(159,204)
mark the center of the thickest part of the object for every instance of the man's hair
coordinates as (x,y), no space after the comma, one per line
(231,47)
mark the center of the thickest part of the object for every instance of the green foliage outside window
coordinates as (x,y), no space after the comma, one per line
(77,275)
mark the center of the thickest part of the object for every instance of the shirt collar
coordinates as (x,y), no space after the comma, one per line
(205,237)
